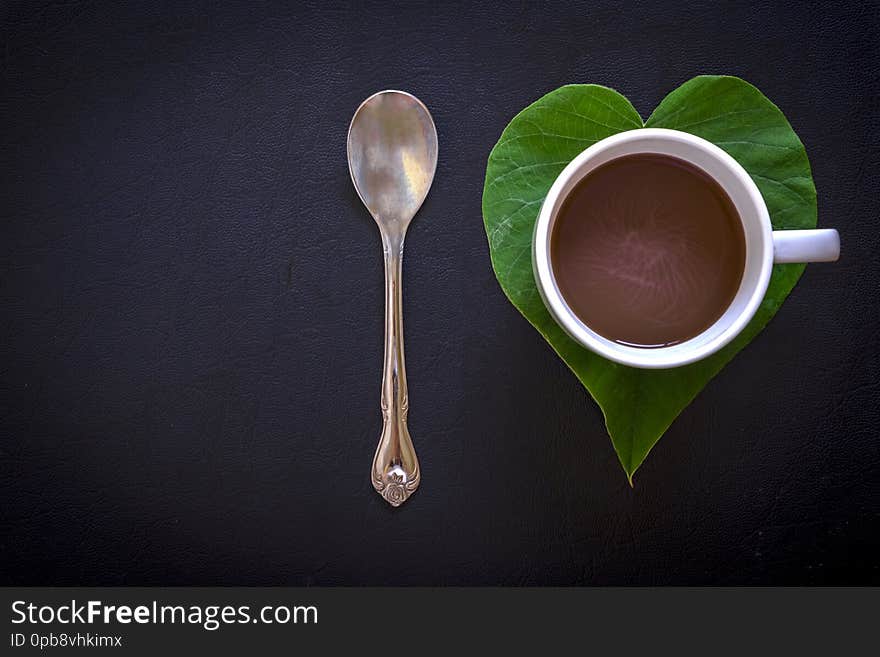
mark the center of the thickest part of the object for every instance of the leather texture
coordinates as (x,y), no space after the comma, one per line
(191,328)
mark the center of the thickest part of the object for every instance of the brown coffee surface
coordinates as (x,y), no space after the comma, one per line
(648,250)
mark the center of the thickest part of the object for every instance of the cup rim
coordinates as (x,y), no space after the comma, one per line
(660,357)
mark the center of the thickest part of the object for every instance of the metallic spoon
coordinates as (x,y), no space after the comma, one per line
(392,156)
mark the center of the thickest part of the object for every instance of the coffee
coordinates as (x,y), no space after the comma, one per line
(648,250)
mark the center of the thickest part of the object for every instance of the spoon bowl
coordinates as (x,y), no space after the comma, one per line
(392,155)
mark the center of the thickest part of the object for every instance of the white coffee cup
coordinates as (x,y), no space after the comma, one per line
(764,246)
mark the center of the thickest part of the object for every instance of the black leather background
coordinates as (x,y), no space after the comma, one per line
(190,338)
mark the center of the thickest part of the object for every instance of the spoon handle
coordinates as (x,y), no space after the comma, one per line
(395,472)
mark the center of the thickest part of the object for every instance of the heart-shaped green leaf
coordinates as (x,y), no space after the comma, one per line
(639,405)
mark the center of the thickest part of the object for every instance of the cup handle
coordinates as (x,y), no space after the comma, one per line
(817,245)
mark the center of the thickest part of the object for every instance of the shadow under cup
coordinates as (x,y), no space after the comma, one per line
(742,194)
